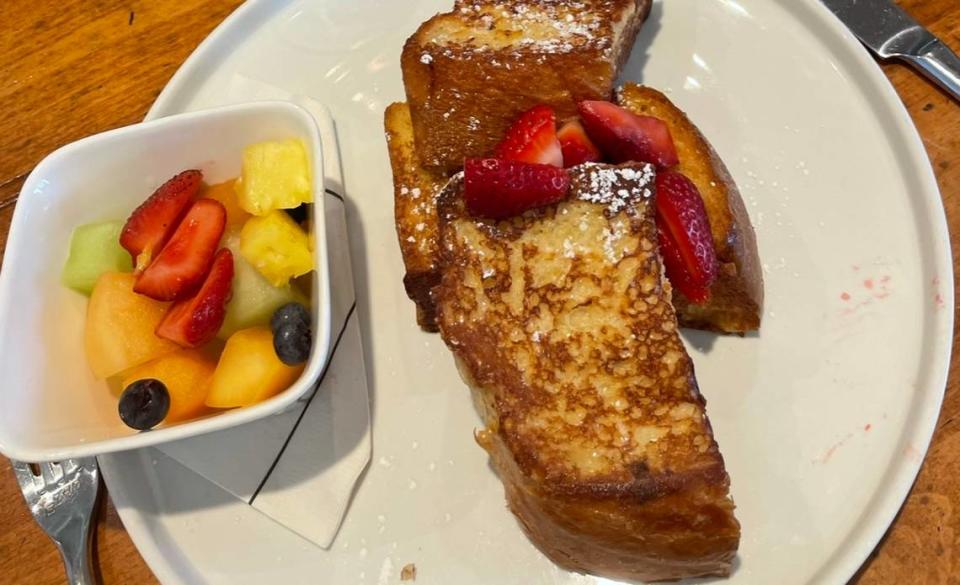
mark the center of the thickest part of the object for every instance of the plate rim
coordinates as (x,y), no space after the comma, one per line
(901,473)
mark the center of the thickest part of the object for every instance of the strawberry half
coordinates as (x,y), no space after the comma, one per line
(498,188)
(150,225)
(686,243)
(576,145)
(533,138)
(624,136)
(184,262)
(195,321)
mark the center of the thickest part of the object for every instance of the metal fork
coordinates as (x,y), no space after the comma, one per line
(62,498)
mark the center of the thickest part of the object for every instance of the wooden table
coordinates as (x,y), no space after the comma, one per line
(70,68)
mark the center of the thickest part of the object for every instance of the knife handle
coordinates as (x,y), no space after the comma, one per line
(941,65)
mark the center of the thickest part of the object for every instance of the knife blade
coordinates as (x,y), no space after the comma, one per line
(888,31)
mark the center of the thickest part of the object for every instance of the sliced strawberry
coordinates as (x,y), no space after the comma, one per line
(150,225)
(685,240)
(183,263)
(624,136)
(576,145)
(195,321)
(676,269)
(498,189)
(533,138)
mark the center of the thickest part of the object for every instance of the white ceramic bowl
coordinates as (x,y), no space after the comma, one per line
(51,405)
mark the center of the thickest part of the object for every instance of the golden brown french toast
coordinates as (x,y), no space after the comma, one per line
(560,320)
(469,72)
(736,297)
(415,191)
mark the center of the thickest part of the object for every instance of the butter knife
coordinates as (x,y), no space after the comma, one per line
(891,33)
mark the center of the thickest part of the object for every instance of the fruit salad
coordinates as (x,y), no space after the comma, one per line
(527,170)
(199,301)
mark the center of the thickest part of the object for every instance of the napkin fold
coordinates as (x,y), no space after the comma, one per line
(299,467)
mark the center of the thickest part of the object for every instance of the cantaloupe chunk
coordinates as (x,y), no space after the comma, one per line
(226,194)
(249,370)
(186,374)
(119,330)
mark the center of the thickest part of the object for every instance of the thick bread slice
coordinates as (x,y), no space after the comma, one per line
(415,191)
(736,300)
(470,72)
(561,322)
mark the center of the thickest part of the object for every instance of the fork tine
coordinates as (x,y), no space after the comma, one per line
(51,472)
(88,463)
(25,476)
(69,466)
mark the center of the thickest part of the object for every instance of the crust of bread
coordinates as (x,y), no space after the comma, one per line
(415,191)
(470,72)
(561,323)
(736,299)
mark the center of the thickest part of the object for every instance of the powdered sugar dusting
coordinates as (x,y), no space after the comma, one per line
(610,238)
(418,204)
(615,187)
(547,27)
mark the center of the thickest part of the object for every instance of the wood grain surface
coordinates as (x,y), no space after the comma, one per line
(70,68)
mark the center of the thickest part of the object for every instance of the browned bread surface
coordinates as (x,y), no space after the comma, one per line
(414,205)
(561,322)
(470,72)
(736,302)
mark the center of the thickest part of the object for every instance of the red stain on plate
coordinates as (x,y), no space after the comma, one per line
(825,458)
(856,307)
(874,289)
(911,453)
(938,301)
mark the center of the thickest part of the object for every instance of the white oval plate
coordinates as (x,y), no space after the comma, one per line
(823,418)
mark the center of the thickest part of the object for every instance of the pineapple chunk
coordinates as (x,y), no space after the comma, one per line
(254,299)
(277,247)
(275,175)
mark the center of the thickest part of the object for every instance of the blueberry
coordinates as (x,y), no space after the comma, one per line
(292,343)
(290,313)
(298,214)
(144,404)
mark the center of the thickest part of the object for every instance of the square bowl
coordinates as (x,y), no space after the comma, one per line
(51,405)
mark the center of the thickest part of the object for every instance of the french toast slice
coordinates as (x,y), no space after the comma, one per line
(470,72)
(415,191)
(736,297)
(736,302)
(560,321)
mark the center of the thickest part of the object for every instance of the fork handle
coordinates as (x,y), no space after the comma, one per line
(74,546)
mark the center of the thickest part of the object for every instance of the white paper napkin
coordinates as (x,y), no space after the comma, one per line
(299,467)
